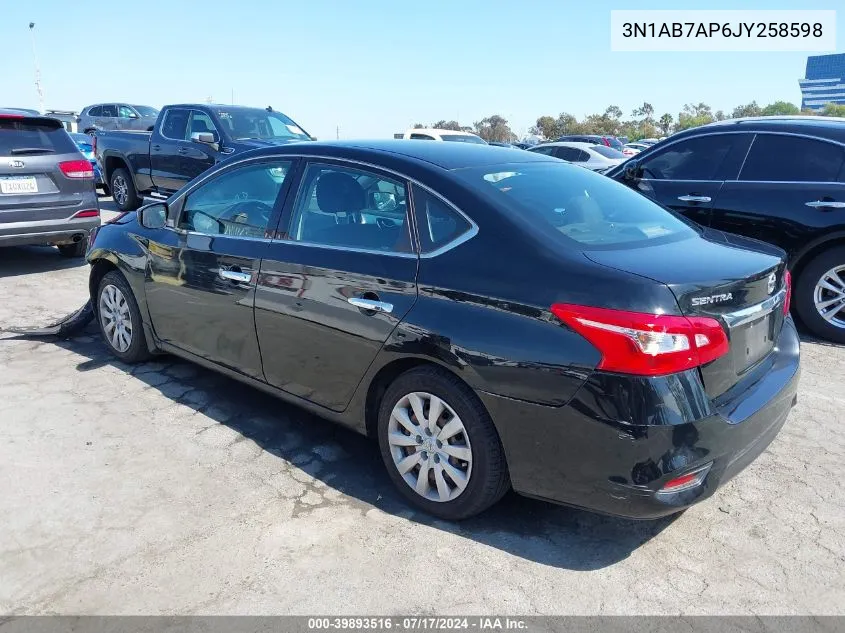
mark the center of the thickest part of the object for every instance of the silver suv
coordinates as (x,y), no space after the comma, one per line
(47,193)
(116,116)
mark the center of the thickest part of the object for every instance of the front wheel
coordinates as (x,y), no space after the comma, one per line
(123,190)
(820,295)
(120,319)
(440,446)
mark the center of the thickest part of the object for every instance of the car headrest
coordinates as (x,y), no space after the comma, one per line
(198,125)
(339,193)
(580,210)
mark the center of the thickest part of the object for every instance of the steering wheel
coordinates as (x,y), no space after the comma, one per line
(251,213)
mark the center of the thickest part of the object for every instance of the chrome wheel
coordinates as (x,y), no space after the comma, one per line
(430,446)
(120,190)
(829,296)
(115,318)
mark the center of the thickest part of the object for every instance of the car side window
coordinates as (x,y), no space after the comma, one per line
(109,111)
(438,223)
(124,112)
(422,137)
(571,154)
(201,122)
(780,158)
(351,208)
(548,151)
(175,124)
(710,157)
(96,111)
(239,202)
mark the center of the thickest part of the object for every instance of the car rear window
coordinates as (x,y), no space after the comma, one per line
(588,208)
(463,138)
(20,136)
(608,152)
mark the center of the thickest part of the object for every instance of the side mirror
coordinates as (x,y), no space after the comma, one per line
(206,138)
(153,216)
(133,115)
(633,170)
(383,201)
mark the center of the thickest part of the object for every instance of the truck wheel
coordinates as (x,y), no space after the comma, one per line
(820,295)
(123,190)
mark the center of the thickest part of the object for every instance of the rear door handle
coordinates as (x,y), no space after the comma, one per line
(156,147)
(235,275)
(694,198)
(825,204)
(371,305)
(181,150)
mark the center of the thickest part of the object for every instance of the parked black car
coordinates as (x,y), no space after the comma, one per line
(47,194)
(780,180)
(492,316)
(186,140)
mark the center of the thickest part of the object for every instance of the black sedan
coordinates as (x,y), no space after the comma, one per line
(494,318)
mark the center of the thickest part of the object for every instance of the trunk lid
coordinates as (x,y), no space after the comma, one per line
(736,280)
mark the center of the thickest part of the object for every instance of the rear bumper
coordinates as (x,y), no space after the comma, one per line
(47,232)
(585,455)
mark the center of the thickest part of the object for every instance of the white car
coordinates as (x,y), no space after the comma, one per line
(634,148)
(432,134)
(589,155)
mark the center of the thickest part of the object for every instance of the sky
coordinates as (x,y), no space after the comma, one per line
(370,68)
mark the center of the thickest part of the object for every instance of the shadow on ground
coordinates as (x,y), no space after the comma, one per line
(534,530)
(26,260)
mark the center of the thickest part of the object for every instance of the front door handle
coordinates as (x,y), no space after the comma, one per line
(156,147)
(371,305)
(825,204)
(694,198)
(235,275)
(181,150)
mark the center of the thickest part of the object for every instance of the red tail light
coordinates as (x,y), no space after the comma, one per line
(646,344)
(605,140)
(77,169)
(87,213)
(17,117)
(787,282)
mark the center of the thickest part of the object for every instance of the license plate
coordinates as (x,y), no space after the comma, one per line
(757,340)
(18,185)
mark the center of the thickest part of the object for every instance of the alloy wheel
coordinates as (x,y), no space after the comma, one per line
(430,446)
(116,318)
(829,296)
(119,190)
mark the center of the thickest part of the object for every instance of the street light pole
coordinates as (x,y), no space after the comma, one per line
(37,69)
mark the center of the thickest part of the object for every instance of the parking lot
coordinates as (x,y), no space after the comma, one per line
(166,488)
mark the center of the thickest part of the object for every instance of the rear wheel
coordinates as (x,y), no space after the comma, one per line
(76,249)
(123,190)
(440,446)
(120,319)
(820,295)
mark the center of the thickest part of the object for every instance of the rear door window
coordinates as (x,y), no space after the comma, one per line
(780,158)
(96,111)
(109,111)
(19,138)
(438,224)
(175,124)
(572,154)
(422,137)
(710,157)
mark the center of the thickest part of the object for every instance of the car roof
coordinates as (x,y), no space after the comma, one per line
(395,152)
(439,132)
(578,144)
(828,127)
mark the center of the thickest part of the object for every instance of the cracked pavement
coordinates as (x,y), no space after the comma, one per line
(164,488)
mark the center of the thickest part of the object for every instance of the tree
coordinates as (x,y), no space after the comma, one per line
(665,123)
(494,128)
(448,125)
(749,109)
(646,112)
(546,127)
(780,108)
(833,109)
(418,126)
(719,116)
(566,124)
(694,115)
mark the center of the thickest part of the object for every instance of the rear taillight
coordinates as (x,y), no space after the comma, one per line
(87,213)
(787,284)
(16,117)
(77,169)
(646,344)
(605,140)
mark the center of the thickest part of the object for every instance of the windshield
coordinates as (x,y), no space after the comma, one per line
(608,152)
(583,206)
(255,123)
(146,110)
(463,138)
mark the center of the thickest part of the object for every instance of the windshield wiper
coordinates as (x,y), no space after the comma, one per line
(32,150)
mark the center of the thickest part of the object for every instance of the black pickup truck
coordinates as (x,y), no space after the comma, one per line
(186,140)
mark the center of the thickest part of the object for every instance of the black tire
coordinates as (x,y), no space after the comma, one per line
(76,249)
(123,190)
(488,479)
(804,300)
(137,350)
